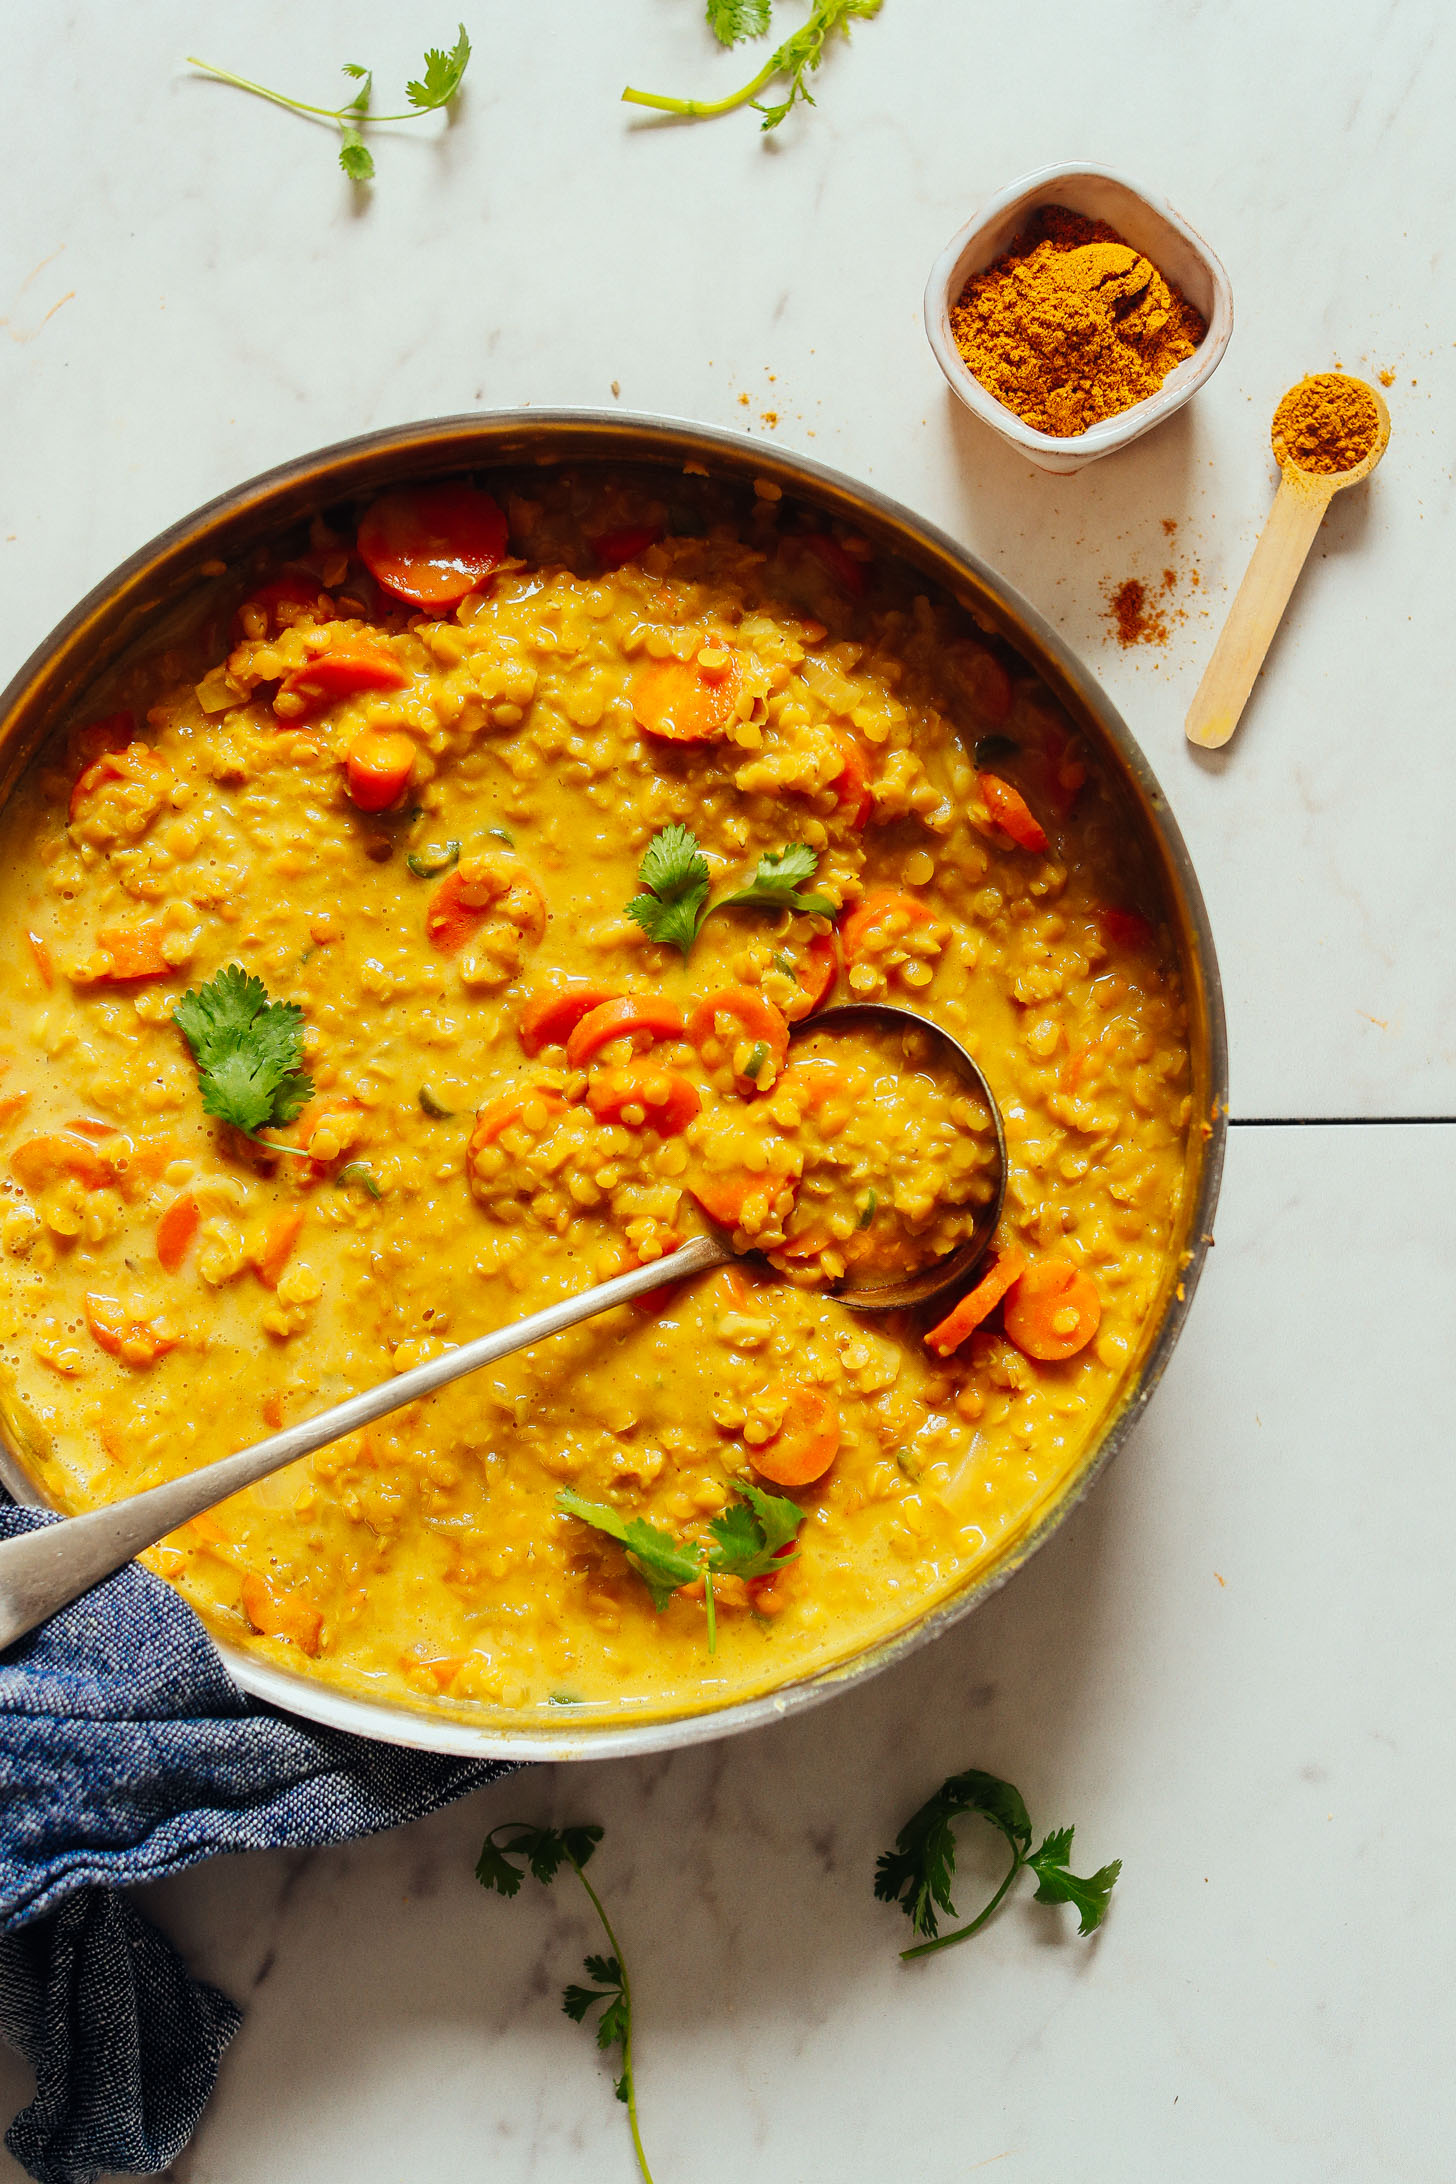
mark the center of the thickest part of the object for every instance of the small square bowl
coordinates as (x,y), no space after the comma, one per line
(1151,226)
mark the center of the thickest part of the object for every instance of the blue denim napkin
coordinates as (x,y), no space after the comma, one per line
(127,1753)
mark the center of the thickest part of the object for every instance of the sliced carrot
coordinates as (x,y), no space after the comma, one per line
(682,701)
(464,900)
(637,1017)
(612,548)
(276,1614)
(12,1105)
(807,1442)
(984,679)
(90,1126)
(817,976)
(432,544)
(112,733)
(549,1017)
(137,762)
(1010,812)
(379,766)
(509,1108)
(725,1197)
(977,1304)
(847,573)
(878,907)
(279,1238)
(43,961)
(134,951)
(655,1301)
(746,1007)
(1053,1311)
(441,1671)
(134,1341)
(176,1230)
(39,1160)
(1126,928)
(851,784)
(813,1079)
(342,673)
(272,1410)
(668,1100)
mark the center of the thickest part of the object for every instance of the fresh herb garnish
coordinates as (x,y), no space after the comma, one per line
(747,1540)
(438,84)
(777,882)
(918,1872)
(545,1851)
(428,864)
(731,21)
(248,1051)
(674,873)
(799,56)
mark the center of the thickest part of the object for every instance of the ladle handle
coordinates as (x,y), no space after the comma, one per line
(1246,636)
(44,1570)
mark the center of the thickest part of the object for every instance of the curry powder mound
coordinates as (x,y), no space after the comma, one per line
(1071,325)
(1326,424)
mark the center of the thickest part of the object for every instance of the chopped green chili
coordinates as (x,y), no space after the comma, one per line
(428,864)
(356,1172)
(753,1066)
(871,1208)
(432,1106)
(992,748)
(502,834)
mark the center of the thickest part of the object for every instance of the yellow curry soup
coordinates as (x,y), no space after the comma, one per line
(420,818)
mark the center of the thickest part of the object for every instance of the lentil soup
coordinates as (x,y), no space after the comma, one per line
(408,782)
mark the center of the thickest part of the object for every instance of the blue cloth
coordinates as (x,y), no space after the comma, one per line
(127,1753)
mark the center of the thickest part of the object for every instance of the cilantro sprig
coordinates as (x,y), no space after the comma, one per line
(752,1537)
(918,1872)
(799,56)
(543,1852)
(676,881)
(248,1051)
(436,86)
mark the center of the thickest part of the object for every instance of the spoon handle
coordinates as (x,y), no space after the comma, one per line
(44,1570)
(1273,571)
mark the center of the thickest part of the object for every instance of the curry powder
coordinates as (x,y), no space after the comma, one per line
(1326,424)
(1072,325)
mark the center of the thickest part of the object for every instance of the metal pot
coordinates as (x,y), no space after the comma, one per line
(170,573)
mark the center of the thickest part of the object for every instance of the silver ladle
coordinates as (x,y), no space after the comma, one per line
(42,1571)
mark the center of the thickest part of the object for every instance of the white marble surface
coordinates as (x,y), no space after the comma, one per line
(188,294)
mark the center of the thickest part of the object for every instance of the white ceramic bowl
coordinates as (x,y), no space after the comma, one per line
(1151,226)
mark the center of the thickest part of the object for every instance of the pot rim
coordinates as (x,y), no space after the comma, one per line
(113,613)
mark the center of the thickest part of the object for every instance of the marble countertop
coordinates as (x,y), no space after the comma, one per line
(1233,1666)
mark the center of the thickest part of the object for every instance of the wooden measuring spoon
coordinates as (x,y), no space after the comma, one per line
(1273,571)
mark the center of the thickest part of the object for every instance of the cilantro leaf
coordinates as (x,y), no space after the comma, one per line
(918,1872)
(731,21)
(442,75)
(545,1851)
(1058,1884)
(661,1561)
(776,884)
(355,157)
(441,81)
(248,1050)
(798,56)
(675,874)
(750,1535)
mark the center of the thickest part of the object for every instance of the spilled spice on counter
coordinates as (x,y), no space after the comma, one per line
(1072,325)
(1135,618)
(1326,424)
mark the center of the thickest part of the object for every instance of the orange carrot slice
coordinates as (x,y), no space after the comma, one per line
(746,1007)
(977,1304)
(880,905)
(1053,1311)
(379,766)
(668,1100)
(134,1341)
(817,976)
(509,1108)
(432,544)
(637,1017)
(276,1249)
(548,1018)
(342,673)
(274,1613)
(176,1230)
(807,1442)
(1010,811)
(851,784)
(682,701)
(133,952)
